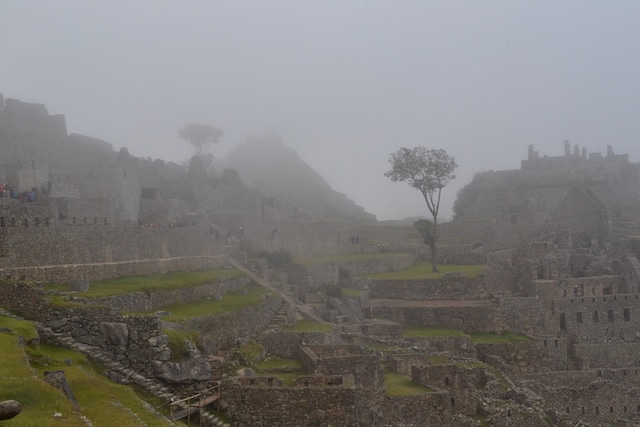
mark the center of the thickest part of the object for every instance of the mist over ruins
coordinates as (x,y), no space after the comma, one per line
(534,320)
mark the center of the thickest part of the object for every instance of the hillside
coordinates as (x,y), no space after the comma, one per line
(267,165)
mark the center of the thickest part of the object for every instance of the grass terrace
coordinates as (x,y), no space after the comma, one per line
(249,295)
(423,270)
(325,259)
(285,369)
(171,280)
(400,385)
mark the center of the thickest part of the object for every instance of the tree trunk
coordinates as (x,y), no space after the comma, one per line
(434,255)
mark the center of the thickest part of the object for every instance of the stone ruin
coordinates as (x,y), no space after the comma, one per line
(557,237)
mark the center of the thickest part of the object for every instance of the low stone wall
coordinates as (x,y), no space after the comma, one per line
(157,299)
(431,409)
(64,273)
(458,346)
(286,344)
(292,406)
(221,332)
(444,288)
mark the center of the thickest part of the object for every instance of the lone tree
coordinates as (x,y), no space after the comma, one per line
(426,170)
(201,137)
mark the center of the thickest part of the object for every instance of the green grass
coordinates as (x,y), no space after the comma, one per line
(178,342)
(495,338)
(431,332)
(309,326)
(423,270)
(22,379)
(172,280)
(400,385)
(351,292)
(325,259)
(231,301)
(286,370)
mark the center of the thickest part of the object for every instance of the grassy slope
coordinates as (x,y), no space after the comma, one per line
(22,378)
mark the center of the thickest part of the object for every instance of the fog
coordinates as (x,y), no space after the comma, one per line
(343,83)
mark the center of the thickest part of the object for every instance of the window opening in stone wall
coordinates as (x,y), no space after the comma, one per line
(582,410)
(578,317)
(611,409)
(556,343)
(597,410)
(73,220)
(446,381)
(37,221)
(596,317)
(545,343)
(25,222)
(564,292)
(567,409)
(610,316)
(563,321)
(627,315)
(13,221)
(2,224)
(47,221)
(453,402)
(624,409)
(606,290)
(593,291)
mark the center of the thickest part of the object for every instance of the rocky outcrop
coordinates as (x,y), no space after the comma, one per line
(9,409)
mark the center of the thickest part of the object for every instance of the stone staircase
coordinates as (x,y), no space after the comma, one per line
(148,384)
(303,310)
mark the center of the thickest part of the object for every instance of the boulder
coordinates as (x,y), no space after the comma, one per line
(9,409)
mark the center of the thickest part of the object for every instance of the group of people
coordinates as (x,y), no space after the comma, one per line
(25,196)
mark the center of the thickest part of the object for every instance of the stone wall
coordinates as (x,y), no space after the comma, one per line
(134,341)
(160,298)
(609,355)
(426,410)
(515,358)
(460,381)
(286,344)
(102,271)
(478,318)
(432,289)
(222,332)
(291,406)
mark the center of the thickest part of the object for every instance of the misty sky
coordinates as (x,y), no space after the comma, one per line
(345,83)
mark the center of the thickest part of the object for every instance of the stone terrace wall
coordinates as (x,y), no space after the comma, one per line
(292,406)
(134,341)
(427,410)
(91,243)
(156,299)
(103,271)
(221,332)
(433,289)
(483,318)
(313,276)
(459,346)
(286,344)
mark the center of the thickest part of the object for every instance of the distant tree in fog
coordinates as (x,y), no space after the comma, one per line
(429,171)
(201,137)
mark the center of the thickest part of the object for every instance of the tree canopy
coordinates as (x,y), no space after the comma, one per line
(201,137)
(428,171)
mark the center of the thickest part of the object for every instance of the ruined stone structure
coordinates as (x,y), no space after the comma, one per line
(556,235)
